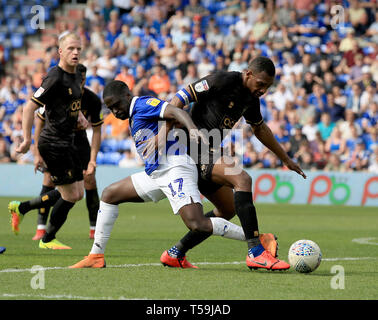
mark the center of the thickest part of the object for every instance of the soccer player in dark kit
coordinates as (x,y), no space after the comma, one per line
(91,109)
(60,94)
(220,100)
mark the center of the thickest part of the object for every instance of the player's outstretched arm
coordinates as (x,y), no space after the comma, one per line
(265,135)
(27,124)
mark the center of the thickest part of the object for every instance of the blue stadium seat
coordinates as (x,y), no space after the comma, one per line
(100,158)
(109,145)
(3,36)
(9,10)
(112,158)
(25,10)
(127,19)
(125,144)
(29,28)
(12,24)
(17,40)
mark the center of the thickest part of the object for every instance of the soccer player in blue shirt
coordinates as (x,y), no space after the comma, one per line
(172,171)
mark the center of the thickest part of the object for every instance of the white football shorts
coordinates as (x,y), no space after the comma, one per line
(175,179)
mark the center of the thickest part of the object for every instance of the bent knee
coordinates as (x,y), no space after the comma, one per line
(243,182)
(203,225)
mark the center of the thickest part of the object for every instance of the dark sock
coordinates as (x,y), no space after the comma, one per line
(192,239)
(43,213)
(47,199)
(93,203)
(58,217)
(246,212)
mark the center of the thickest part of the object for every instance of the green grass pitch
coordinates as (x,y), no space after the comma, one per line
(143,231)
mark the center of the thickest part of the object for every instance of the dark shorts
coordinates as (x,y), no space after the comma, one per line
(205,169)
(62,162)
(83,150)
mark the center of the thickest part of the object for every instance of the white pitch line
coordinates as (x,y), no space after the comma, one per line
(159,264)
(63,296)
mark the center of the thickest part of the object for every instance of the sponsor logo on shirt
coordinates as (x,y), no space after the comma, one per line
(153,102)
(201,86)
(38,93)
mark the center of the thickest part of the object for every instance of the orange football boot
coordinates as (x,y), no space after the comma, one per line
(91,261)
(179,262)
(266,261)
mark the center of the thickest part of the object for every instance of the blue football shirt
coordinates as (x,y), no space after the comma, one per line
(145,113)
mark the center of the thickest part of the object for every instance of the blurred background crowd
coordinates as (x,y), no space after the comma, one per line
(322,108)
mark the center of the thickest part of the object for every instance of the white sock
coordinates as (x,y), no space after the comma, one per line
(227,229)
(107,215)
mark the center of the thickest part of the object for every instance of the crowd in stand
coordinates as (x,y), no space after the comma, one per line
(323,108)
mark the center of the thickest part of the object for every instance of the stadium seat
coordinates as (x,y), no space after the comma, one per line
(17,40)
(3,36)
(100,158)
(12,24)
(109,145)
(9,10)
(127,19)
(25,10)
(125,144)
(112,158)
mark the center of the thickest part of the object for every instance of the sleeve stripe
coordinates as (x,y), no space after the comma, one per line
(37,101)
(179,95)
(194,93)
(161,115)
(96,124)
(257,123)
(41,116)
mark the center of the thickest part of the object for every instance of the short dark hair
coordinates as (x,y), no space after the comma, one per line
(260,64)
(115,88)
(81,68)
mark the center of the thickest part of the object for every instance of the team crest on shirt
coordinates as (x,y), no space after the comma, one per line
(153,102)
(38,93)
(201,86)
(69,91)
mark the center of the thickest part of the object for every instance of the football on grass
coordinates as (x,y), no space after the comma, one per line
(304,256)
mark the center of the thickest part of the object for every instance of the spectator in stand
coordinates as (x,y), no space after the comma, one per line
(126,77)
(259,32)
(118,128)
(94,76)
(296,140)
(123,41)
(8,108)
(112,33)
(335,143)
(242,27)
(159,82)
(276,121)
(359,158)
(195,9)
(334,164)
(107,9)
(358,17)
(373,161)
(107,66)
(205,67)
(335,110)
(168,54)
(354,99)
(237,63)
(325,126)
(281,96)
